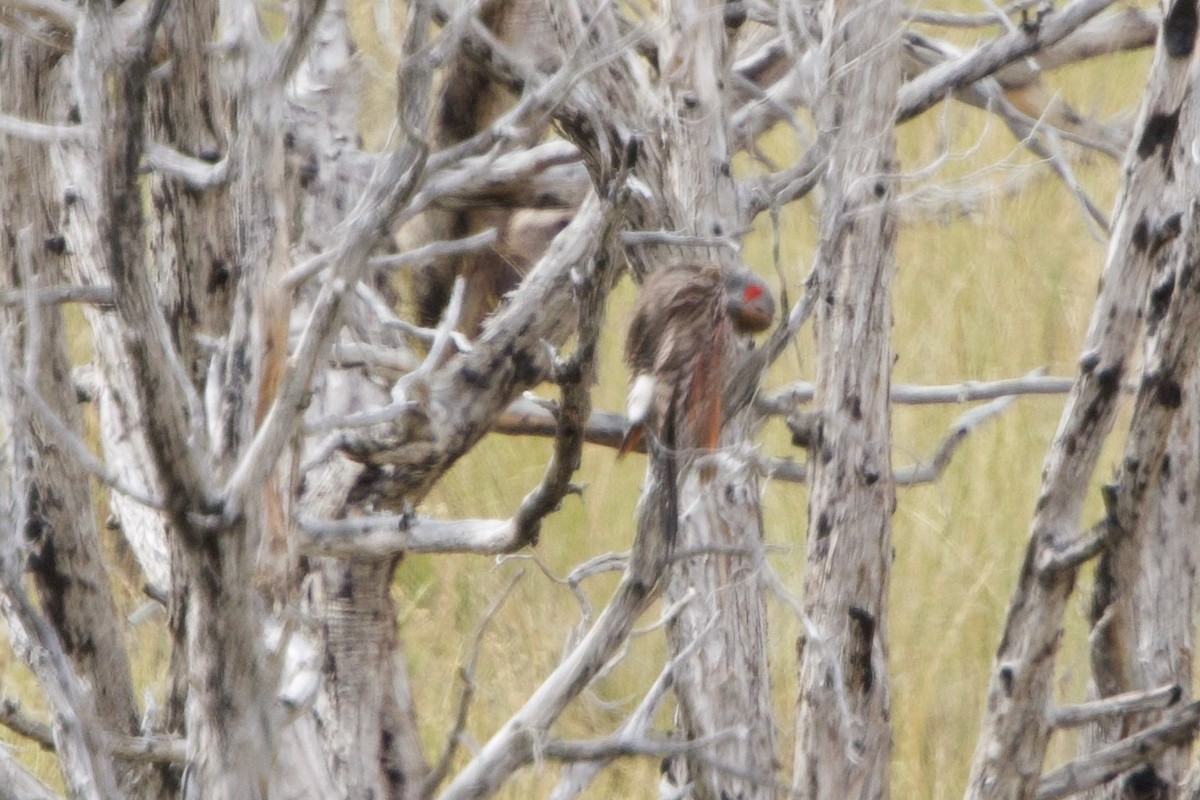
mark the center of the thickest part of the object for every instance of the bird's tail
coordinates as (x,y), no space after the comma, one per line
(634,435)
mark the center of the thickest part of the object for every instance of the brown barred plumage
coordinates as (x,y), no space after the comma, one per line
(677,341)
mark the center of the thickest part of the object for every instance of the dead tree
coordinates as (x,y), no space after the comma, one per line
(269,424)
(1151,246)
(843,736)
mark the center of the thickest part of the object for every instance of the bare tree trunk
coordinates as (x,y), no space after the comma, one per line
(122,434)
(193,243)
(843,723)
(1144,599)
(230,718)
(65,558)
(726,685)
(1144,608)
(370,740)
(1011,747)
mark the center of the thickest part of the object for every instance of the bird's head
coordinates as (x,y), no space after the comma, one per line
(748,302)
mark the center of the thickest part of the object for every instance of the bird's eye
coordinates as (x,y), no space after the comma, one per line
(752,291)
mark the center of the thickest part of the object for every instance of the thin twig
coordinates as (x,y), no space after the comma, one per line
(928,88)
(784,400)
(466,674)
(60,14)
(79,448)
(577,777)
(610,747)
(1080,550)
(929,471)
(950,19)
(432,251)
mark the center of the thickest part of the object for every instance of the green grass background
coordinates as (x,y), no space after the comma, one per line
(991,295)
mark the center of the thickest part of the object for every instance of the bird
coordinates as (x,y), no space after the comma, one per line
(678,335)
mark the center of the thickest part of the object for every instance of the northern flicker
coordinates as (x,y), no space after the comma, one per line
(677,341)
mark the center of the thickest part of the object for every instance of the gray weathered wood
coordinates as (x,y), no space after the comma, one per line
(843,732)
(1012,743)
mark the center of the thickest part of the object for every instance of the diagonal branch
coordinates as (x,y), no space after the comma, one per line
(1099,767)
(927,89)
(466,672)
(157,749)
(577,777)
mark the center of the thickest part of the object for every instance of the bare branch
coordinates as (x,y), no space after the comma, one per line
(361,419)
(79,448)
(950,19)
(931,471)
(18,783)
(58,13)
(524,417)
(390,360)
(524,176)
(432,251)
(1103,765)
(304,18)
(466,673)
(578,776)
(383,536)
(575,376)
(784,400)
(1116,706)
(597,565)
(930,87)
(55,295)
(156,749)
(472,181)
(784,187)
(195,172)
(1078,551)
(646,238)
(38,131)
(610,747)
(1130,28)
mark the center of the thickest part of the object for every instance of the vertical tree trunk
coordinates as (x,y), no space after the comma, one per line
(1144,598)
(1012,744)
(65,558)
(192,241)
(843,733)
(1144,607)
(122,434)
(369,739)
(726,685)
(231,718)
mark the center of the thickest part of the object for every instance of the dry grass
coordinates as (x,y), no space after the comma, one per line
(995,295)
